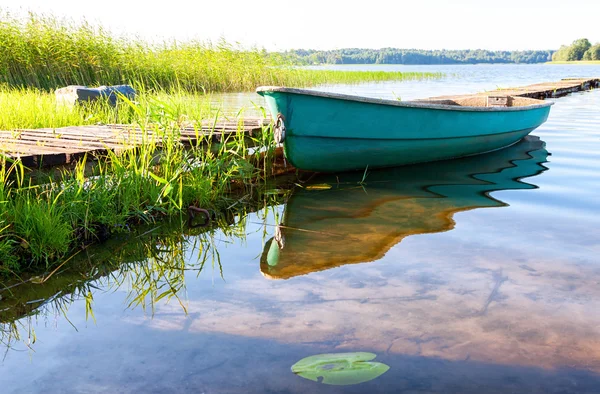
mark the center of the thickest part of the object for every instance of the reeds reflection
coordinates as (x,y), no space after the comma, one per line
(149,266)
(361,217)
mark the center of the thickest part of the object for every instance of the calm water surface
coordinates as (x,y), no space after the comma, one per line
(466,276)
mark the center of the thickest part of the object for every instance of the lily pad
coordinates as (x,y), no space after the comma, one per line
(340,369)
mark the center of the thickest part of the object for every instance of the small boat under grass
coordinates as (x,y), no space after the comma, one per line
(329,132)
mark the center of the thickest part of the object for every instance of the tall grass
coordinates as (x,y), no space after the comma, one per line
(46,52)
(308,77)
(33,108)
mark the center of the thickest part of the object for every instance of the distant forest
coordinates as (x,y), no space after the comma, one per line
(581,49)
(416,56)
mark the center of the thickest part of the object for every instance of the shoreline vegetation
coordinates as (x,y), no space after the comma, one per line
(581,51)
(416,56)
(48,218)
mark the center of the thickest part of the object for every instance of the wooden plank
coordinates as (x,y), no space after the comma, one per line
(43,135)
(538,91)
(24,134)
(86,131)
(32,146)
(42,157)
(68,143)
(21,150)
(497,101)
(245,124)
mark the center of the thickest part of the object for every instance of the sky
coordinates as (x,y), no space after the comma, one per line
(333,24)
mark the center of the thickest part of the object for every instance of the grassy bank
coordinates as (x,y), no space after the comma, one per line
(45,52)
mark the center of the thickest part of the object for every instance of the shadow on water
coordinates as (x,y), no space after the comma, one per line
(359,218)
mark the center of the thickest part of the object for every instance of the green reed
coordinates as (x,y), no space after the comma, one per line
(33,108)
(45,52)
(322,77)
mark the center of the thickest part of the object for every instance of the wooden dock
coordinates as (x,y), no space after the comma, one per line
(49,147)
(540,91)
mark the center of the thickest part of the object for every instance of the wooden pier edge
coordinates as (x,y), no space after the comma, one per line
(539,91)
(50,147)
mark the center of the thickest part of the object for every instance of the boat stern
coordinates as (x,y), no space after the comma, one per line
(275,99)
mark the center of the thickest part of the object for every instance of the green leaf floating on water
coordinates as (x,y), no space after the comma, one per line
(340,369)
(320,186)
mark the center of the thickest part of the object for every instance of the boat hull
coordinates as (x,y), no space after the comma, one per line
(331,134)
(346,154)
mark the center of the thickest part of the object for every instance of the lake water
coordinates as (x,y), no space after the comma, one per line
(465,276)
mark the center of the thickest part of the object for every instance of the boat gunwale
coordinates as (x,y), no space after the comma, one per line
(406,104)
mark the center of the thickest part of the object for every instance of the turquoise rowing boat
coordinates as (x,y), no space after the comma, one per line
(328,132)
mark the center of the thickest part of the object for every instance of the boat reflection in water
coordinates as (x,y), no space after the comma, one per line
(357,221)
